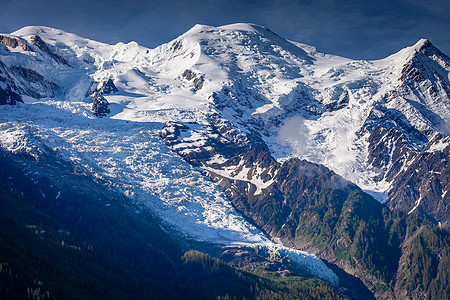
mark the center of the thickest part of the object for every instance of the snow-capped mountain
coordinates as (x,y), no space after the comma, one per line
(124,149)
(156,124)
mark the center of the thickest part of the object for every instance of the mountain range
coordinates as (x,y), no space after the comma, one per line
(263,152)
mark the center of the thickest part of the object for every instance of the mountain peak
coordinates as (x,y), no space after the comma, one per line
(422,43)
(200,27)
(238,27)
(234,26)
(425,47)
(48,34)
(242,27)
(38,30)
(420,50)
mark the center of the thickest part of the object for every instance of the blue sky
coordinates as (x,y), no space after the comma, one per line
(357,29)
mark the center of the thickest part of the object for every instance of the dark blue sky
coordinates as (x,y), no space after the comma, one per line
(358,29)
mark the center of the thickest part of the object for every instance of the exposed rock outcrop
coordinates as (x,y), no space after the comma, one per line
(37,40)
(197,80)
(14,43)
(33,83)
(8,96)
(108,87)
(339,104)
(423,184)
(100,106)
(177,46)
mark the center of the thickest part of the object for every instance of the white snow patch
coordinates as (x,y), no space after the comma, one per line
(439,146)
(416,206)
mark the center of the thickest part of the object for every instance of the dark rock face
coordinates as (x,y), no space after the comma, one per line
(28,75)
(23,81)
(108,87)
(104,88)
(188,74)
(100,106)
(389,151)
(8,96)
(43,87)
(14,43)
(425,76)
(339,104)
(177,46)
(220,137)
(37,40)
(197,79)
(198,83)
(418,77)
(422,186)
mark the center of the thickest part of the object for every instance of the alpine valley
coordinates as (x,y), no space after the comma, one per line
(227,163)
